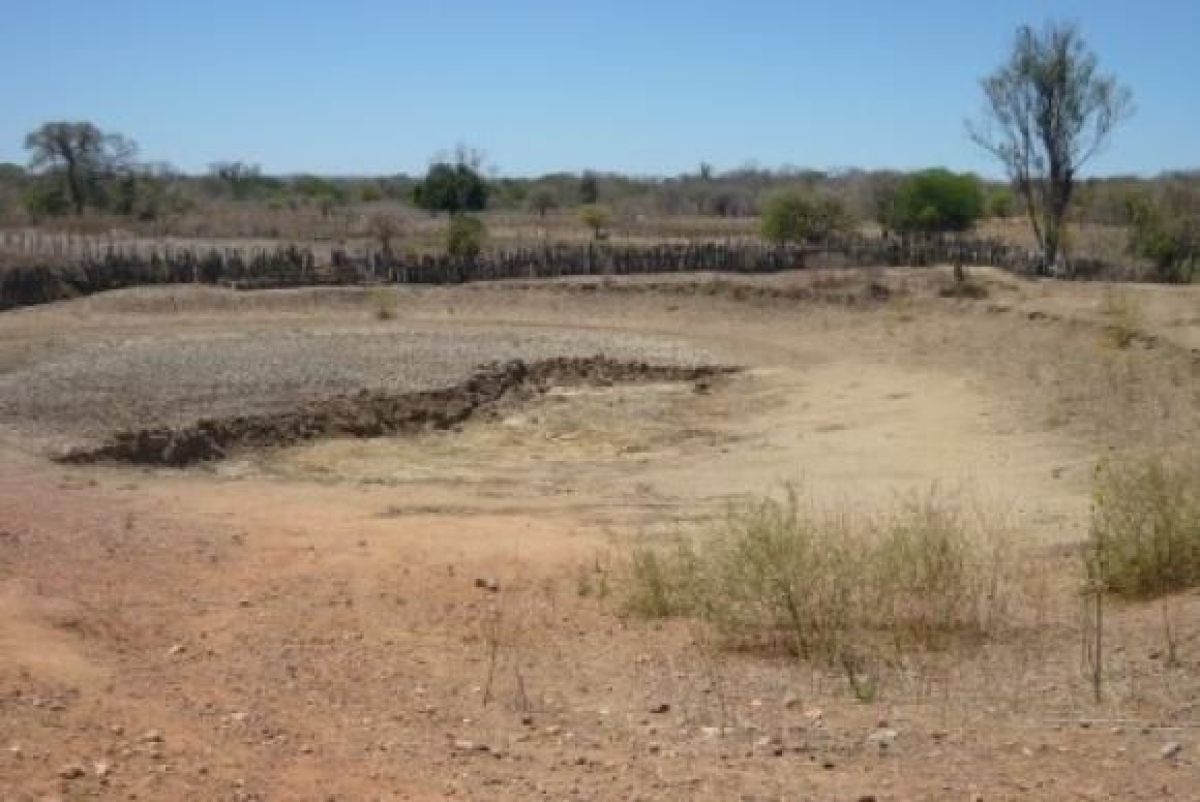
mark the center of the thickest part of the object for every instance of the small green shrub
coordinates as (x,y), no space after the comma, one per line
(1145,532)
(465,237)
(795,216)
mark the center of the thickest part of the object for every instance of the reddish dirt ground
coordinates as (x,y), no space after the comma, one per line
(435,617)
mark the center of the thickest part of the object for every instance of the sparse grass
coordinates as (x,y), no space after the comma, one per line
(1145,532)
(782,576)
(383,302)
(1125,316)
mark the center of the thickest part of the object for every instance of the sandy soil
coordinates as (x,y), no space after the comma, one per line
(308,623)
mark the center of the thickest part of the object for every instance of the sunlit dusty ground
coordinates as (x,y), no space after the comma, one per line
(304,623)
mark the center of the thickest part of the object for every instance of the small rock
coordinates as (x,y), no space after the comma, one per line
(882,738)
(791,702)
(553,729)
(1171,750)
(488,583)
(71,771)
(152,736)
(660,708)
(101,768)
(15,750)
(177,650)
(470,746)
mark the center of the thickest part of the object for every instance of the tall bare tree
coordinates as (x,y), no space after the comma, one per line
(85,155)
(1049,111)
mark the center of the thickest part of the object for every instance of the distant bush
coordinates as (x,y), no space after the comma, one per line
(466,236)
(1167,232)
(793,216)
(44,198)
(1001,203)
(596,218)
(543,200)
(1145,532)
(452,188)
(934,201)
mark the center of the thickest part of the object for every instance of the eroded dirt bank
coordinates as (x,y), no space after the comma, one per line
(377,414)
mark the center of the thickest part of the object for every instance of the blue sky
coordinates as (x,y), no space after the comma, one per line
(646,87)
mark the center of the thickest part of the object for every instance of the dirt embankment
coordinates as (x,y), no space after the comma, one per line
(377,414)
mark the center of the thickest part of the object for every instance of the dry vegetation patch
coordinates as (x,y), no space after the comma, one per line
(838,587)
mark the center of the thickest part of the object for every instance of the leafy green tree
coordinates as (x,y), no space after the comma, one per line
(1049,111)
(935,201)
(453,188)
(82,156)
(466,236)
(589,188)
(794,216)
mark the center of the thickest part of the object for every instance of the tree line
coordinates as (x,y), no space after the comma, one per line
(1048,111)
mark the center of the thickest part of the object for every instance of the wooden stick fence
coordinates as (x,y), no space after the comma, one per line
(54,267)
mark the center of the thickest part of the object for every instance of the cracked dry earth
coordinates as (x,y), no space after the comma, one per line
(434,616)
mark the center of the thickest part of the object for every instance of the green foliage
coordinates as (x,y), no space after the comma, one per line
(46,198)
(1001,203)
(595,217)
(82,158)
(1145,533)
(543,200)
(371,192)
(934,201)
(795,216)
(1167,232)
(466,236)
(243,182)
(319,189)
(452,188)
(589,189)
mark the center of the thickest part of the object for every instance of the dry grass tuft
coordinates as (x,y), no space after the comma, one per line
(383,302)
(781,576)
(1145,532)
(1125,316)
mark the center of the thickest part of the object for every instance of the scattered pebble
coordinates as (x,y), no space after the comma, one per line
(1171,750)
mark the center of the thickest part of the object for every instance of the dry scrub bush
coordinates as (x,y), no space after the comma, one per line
(1145,532)
(781,576)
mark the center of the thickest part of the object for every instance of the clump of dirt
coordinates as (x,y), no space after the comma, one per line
(378,414)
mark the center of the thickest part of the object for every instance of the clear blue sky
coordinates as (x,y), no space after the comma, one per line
(645,86)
